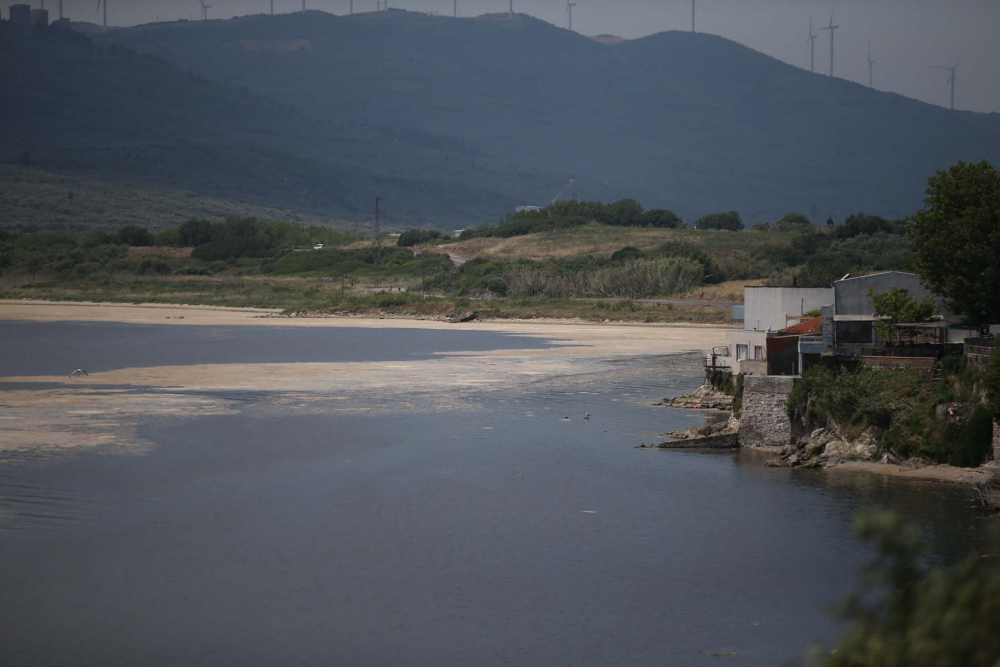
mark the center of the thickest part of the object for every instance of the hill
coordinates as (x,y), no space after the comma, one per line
(691,122)
(159,144)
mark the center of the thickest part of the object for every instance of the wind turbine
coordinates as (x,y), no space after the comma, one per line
(871,64)
(831,28)
(569,10)
(952,78)
(105,2)
(204,10)
(303,5)
(510,13)
(812,45)
(692,15)
(272,7)
(456,8)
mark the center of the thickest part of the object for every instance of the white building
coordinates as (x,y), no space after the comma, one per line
(767,310)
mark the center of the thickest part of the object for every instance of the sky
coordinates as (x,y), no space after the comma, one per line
(907,36)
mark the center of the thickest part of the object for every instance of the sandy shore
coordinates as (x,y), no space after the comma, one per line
(104,408)
(932,473)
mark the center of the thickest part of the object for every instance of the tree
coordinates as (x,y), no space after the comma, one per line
(861,223)
(133,235)
(195,233)
(908,616)
(625,213)
(729,221)
(957,239)
(897,306)
(660,217)
(412,237)
(794,222)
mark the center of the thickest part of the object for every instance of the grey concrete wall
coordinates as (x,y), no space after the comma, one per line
(770,306)
(852,294)
(764,418)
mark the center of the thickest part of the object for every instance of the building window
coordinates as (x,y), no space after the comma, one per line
(742,351)
(758,352)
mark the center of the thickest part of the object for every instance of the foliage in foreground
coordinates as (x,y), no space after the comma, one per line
(909,616)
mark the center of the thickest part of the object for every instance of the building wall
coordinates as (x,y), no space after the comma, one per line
(769,307)
(751,339)
(20,14)
(764,418)
(783,355)
(852,293)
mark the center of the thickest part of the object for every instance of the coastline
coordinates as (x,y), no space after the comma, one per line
(53,414)
(162,313)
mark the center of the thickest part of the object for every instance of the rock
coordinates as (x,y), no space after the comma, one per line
(818,432)
(814,448)
(704,397)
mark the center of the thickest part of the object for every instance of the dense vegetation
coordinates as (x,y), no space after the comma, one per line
(906,614)
(413,237)
(806,255)
(729,221)
(790,251)
(198,247)
(569,214)
(941,420)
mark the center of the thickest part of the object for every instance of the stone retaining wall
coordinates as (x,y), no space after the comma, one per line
(764,418)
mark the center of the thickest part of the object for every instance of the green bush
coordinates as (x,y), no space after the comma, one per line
(153,266)
(975,440)
(414,237)
(728,221)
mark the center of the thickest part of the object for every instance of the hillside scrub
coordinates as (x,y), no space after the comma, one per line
(789,251)
(243,244)
(569,214)
(940,420)
(412,237)
(729,221)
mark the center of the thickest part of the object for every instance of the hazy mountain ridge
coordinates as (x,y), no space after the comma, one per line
(137,121)
(687,121)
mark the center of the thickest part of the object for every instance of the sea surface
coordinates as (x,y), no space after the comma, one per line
(508,530)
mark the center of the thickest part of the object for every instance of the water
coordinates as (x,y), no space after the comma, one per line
(507,530)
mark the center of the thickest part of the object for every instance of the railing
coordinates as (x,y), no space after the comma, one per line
(716,362)
(979,347)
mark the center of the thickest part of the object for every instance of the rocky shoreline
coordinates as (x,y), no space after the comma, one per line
(704,397)
(825,448)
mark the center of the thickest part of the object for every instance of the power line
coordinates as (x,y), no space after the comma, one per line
(377,262)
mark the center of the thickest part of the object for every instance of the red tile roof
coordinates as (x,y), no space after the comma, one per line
(806,328)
